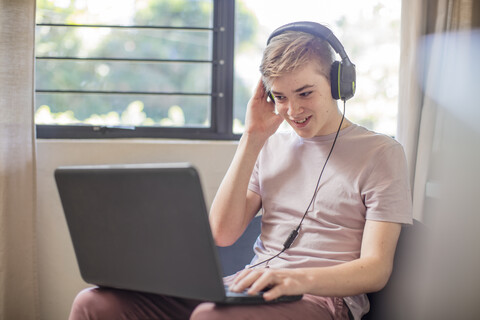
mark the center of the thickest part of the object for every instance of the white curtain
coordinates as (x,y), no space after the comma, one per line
(18,283)
(418,112)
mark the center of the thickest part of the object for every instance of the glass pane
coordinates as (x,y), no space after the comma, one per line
(178,13)
(87,42)
(120,76)
(369,30)
(128,110)
(123,76)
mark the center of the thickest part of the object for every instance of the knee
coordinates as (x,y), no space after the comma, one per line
(207,311)
(82,303)
(92,303)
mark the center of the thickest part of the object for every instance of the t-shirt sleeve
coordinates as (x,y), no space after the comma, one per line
(387,192)
(254,184)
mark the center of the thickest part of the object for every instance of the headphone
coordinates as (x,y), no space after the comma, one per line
(342,74)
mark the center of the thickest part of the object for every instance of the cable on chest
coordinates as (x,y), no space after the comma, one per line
(294,233)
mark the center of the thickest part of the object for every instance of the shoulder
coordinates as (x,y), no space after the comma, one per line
(365,134)
(366,139)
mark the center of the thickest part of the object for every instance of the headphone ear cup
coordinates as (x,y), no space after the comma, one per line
(335,79)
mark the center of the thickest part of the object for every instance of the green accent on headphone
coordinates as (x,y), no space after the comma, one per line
(270,95)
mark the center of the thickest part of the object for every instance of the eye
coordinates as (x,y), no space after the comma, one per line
(305,94)
(279,98)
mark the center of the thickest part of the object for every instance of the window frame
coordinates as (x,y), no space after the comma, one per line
(221,113)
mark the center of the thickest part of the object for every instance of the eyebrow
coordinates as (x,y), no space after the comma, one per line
(307,86)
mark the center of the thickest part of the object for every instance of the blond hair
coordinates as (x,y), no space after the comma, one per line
(291,50)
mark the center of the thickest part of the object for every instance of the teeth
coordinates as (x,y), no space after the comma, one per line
(301,121)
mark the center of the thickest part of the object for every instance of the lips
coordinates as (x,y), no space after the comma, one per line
(301,122)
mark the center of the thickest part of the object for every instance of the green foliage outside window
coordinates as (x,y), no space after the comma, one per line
(370,36)
(106,75)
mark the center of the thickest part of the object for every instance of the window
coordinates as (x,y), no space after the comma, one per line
(186,68)
(152,68)
(370,32)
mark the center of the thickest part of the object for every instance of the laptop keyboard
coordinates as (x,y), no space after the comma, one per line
(245,298)
(241,294)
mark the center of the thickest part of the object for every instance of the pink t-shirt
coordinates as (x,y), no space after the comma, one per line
(366,178)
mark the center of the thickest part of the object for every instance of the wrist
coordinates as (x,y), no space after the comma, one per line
(307,278)
(253,141)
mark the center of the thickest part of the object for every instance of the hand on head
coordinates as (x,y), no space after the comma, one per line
(261,119)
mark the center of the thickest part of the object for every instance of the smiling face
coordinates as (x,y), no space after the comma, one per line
(303,98)
(296,67)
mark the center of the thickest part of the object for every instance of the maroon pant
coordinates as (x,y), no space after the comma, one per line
(102,303)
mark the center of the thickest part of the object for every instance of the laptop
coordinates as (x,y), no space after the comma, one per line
(145,227)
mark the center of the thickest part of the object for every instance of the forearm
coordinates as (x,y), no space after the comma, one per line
(369,273)
(233,206)
(229,213)
(348,279)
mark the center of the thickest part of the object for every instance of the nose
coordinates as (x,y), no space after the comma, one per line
(294,109)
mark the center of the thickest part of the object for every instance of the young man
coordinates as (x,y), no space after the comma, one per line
(341,187)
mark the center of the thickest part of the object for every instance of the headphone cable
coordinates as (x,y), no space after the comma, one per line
(293,235)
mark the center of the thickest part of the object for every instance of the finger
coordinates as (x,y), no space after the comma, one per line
(236,284)
(240,275)
(262,282)
(260,90)
(274,293)
(261,94)
(275,284)
(247,280)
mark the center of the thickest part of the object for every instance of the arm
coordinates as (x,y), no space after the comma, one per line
(234,205)
(368,273)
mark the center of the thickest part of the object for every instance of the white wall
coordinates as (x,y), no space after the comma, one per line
(59,277)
